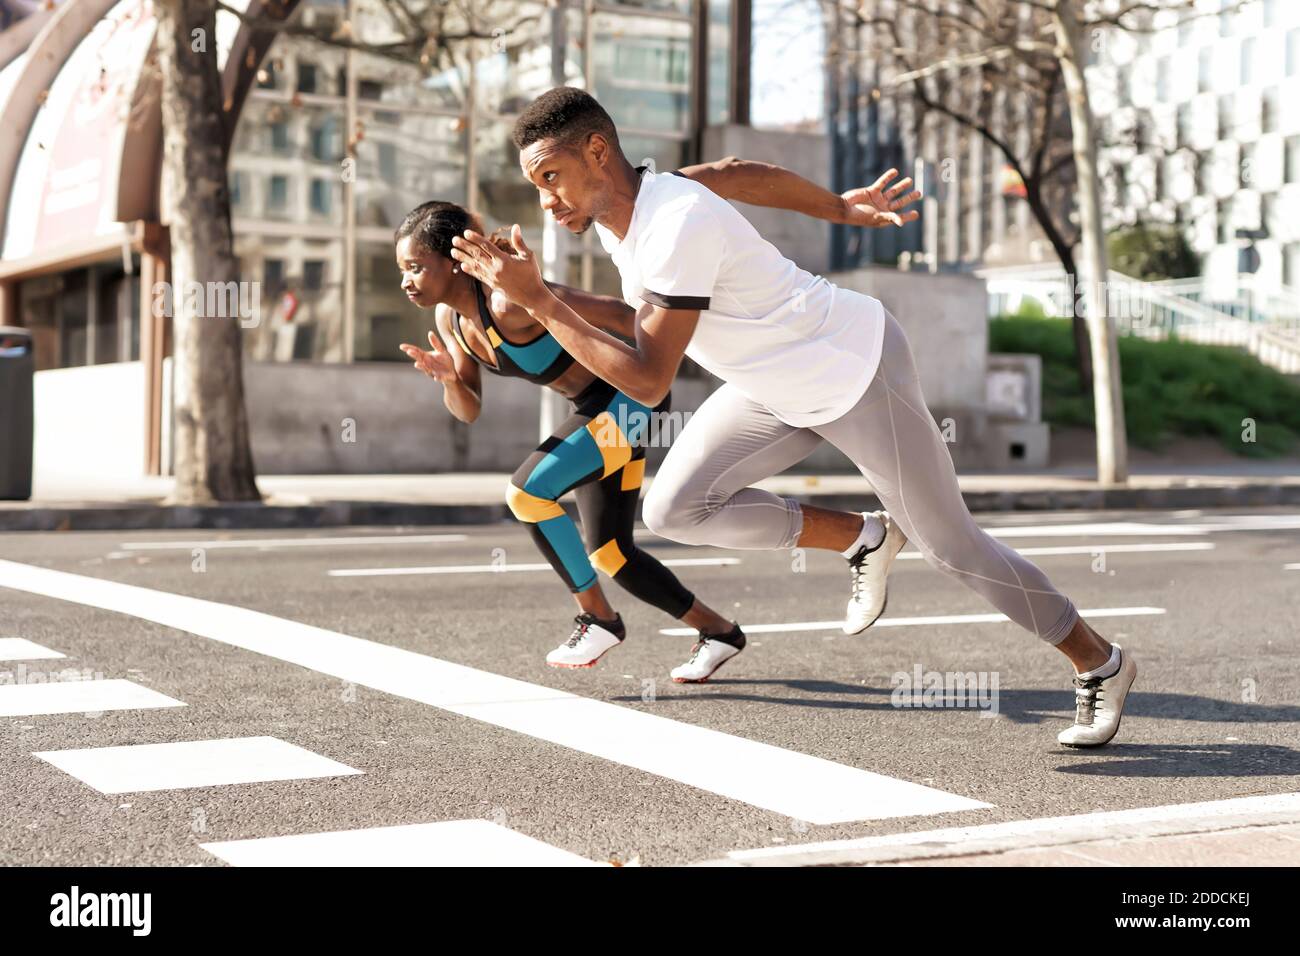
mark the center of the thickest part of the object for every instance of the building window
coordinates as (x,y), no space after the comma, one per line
(280,137)
(1268,112)
(1162,79)
(324,140)
(1267,208)
(273,275)
(237,188)
(1227,119)
(719,44)
(1227,16)
(1205,70)
(306,78)
(1246,167)
(1293,52)
(1291,265)
(1293,159)
(388,163)
(1185,125)
(320,196)
(277,193)
(1224,218)
(1247,61)
(313,275)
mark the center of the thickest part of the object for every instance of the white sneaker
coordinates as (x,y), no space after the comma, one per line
(588,643)
(1099,704)
(707,656)
(869,570)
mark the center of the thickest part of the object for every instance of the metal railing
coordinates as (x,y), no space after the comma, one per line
(1264,321)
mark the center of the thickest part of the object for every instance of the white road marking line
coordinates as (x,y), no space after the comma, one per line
(783,781)
(192,763)
(260,543)
(21,649)
(498,568)
(1100,548)
(78,697)
(449,843)
(1210,525)
(1291,567)
(913,621)
(1181,818)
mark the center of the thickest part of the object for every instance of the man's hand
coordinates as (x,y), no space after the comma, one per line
(878,205)
(516,276)
(435,363)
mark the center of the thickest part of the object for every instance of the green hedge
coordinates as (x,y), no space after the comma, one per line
(1171,388)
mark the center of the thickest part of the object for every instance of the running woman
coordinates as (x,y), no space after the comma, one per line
(589,453)
(802,361)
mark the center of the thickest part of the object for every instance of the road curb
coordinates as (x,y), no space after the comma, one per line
(1233,815)
(336,514)
(246,516)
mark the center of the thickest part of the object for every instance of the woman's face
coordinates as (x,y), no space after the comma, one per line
(425,275)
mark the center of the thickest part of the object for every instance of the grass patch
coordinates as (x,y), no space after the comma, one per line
(1171,388)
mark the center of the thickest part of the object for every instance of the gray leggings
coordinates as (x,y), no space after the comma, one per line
(701,494)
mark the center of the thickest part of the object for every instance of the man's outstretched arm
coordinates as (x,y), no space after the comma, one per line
(763,184)
(643,371)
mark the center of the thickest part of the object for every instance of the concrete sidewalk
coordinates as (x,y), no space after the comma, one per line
(1244,831)
(476,498)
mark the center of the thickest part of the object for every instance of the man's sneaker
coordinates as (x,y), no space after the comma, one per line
(1099,704)
(708,655)
(869,568)
(591,638)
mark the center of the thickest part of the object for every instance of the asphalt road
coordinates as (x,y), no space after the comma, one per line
(1214,625)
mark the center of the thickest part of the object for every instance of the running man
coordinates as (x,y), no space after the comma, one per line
(802,361)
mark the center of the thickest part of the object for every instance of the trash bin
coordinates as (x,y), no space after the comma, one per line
(17,368)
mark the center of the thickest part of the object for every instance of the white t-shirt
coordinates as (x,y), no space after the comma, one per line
(791,341)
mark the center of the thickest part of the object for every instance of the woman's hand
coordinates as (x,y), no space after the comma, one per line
(516,275)
(435,363)
(876,206)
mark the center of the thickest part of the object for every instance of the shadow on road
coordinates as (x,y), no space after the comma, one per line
(1027,706)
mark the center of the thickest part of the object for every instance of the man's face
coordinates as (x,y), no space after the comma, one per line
(571,182)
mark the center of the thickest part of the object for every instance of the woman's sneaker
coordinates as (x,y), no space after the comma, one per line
(1099,704)
(869,569)
(712,651)
(591,638)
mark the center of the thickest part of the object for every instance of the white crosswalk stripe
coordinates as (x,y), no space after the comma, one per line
(254,544)
(934,619)
(1093,549)
(448,843)
(21,649)
(192,763)
(501,568)
(78,697)
(798,785)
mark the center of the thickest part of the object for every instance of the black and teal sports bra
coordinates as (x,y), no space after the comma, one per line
(541,360)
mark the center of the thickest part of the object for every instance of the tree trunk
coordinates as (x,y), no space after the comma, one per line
(1112,439)
(213,460)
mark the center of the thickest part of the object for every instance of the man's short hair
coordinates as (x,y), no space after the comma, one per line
(566,114)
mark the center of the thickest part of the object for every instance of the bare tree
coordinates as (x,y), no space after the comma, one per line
(1013,72)
(213,459)
(1108,400)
